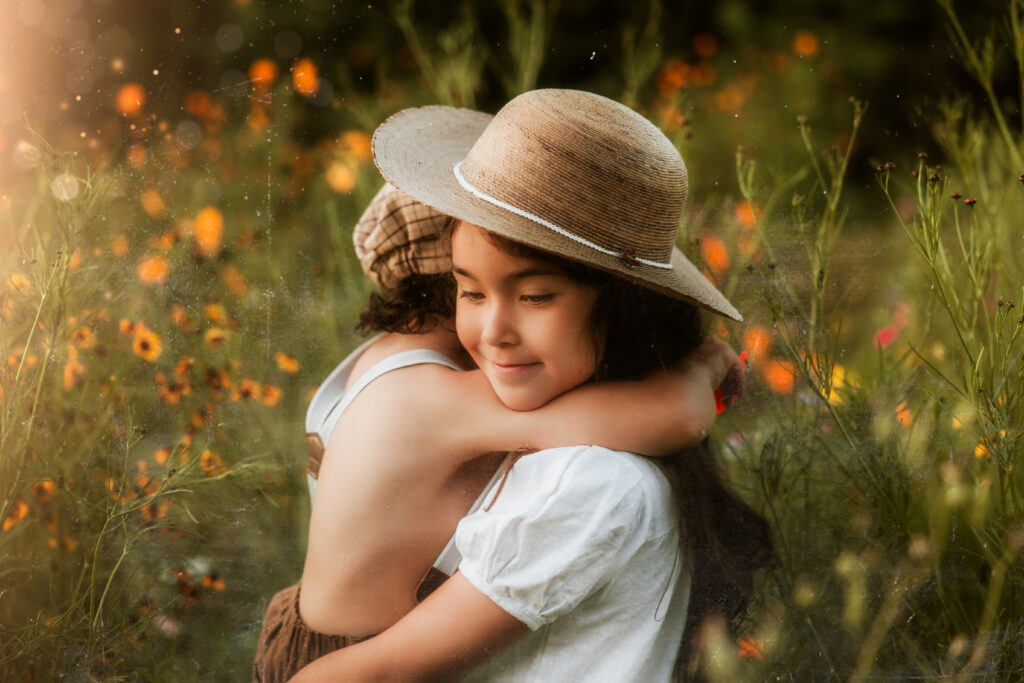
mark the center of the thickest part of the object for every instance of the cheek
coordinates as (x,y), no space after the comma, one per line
(466,326)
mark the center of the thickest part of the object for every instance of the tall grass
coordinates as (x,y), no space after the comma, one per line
(164,319)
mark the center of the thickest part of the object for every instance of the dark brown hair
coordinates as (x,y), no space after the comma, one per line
(728,541)
(418,304)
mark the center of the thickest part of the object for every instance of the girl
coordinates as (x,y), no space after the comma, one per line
(580,567)
(392,484)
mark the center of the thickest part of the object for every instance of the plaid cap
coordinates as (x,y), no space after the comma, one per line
(399,236)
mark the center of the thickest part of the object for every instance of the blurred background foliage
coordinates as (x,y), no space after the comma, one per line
(178,183)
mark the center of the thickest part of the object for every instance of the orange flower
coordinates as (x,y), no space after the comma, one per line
(757,341)
(215,313)
(705,45)
(152,203)
(145,343)
(703,74)
(286,362)
(183,369)
(304,77)
(675,74)
(179,316)
(17,513)
(750,648)
(155,510)
(715,255)
(44,490)
(903,414)
(130,98)
(271,395)
(72,369)
(233,278)
(209,230)
(119,247)
(166,240)
(262,73)
(779,376)
(730,99)
(746,215)
(340,177)
(198,103)
(257,119)
(357,143)
(153,270)
(84,337)
(806,44)
(213,580)
(211,463)
(249,388)
(19,283)
(136,155)
(215,337)
(125,326)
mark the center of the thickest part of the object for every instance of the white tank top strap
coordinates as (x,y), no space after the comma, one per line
(449,559)
(331,399)
(332,389)
(395,362)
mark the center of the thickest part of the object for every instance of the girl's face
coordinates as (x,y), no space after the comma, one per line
(526,324)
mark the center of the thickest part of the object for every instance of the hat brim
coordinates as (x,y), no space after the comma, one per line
(417,149)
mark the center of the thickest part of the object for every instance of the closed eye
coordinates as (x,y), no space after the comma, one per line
(537,298)
(471,296)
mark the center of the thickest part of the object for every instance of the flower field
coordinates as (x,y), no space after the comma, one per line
(176,276)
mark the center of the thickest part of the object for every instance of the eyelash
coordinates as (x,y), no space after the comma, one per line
(534,299)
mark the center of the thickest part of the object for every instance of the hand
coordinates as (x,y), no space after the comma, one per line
(726,370)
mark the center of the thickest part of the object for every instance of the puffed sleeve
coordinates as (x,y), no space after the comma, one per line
(564,523)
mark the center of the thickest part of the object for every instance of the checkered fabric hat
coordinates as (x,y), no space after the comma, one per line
(399,236)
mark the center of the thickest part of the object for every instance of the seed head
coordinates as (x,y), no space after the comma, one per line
(955,195)
(879,169)
(802,120)
(915,173)
(889,166)
(934,178)
(922,155)
(971,201)
(1021,177)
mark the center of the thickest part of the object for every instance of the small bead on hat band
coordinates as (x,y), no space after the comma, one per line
(551,226)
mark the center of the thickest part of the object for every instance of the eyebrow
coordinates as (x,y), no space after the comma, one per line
(536,271)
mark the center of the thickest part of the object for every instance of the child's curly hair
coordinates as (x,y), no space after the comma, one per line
(416,306)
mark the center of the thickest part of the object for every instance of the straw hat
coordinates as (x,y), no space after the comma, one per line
(568,172)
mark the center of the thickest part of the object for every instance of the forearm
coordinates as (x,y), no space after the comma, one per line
(657,416)
(454,629)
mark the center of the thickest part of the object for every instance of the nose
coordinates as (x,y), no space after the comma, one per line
(500,329)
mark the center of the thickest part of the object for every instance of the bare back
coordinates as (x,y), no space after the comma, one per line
(386,505)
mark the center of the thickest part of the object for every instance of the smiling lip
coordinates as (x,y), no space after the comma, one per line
(512,368)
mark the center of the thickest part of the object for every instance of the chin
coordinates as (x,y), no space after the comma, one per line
(522,403)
